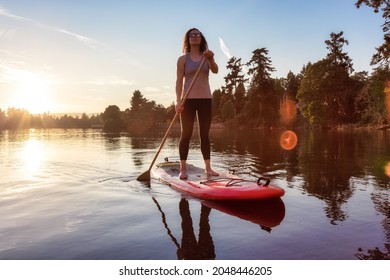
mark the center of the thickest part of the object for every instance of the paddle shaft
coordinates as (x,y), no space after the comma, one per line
(177,114)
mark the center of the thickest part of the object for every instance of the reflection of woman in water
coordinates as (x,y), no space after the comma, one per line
(267,214)
(203,249)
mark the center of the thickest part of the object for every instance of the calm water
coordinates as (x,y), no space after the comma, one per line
(73,194)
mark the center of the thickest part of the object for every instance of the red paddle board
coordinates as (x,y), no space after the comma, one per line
(267,213)
(226,186)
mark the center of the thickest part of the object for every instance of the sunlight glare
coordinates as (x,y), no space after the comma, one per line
(32,156)
(31,91)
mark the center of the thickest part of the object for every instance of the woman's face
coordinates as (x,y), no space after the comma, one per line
(195,37)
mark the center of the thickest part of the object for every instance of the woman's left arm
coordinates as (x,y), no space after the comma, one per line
(209,55)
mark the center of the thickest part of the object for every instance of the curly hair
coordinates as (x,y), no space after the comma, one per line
(186,42)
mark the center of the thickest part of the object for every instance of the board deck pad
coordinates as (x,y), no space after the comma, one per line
(226,186)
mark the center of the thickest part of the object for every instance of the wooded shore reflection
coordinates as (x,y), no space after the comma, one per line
(327,164)
(336,204)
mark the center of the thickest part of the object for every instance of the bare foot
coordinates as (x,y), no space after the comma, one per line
(211,172)
(183,170)
(183,175)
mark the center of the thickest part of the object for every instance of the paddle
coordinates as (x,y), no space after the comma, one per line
(146,175)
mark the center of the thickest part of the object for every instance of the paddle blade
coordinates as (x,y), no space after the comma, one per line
(144,176)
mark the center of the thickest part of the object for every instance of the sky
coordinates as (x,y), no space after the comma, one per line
(81,56)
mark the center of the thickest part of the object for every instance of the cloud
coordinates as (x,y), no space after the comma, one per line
(93,98)
(111,81)
(12,54)
(20,59)
(84,39)
(7,33)
(151,89)
(6,13)
(13,63)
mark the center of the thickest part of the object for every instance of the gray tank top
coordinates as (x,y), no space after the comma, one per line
(201,87)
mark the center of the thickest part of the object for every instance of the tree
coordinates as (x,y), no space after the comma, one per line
(160,113)
(170,112)
(18,118)
(112,119)
(370,101)
(361,76)
(339,59)
(227,110)
(292,84)
(235,76)
(137,102)
(48,121)
(234,85)
(143,114)
(84,121)
(239,98)
(261,100)
(382,55)
(260,69)
(217,102)
(3,119)
(337,80)
(312,92)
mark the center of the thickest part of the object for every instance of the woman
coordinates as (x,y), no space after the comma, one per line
(199,99)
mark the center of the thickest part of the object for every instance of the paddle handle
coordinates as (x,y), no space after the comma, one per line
(177,114)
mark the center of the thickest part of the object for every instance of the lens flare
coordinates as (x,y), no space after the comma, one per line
(224,48)
(288,111)
(288,140)
(387,169)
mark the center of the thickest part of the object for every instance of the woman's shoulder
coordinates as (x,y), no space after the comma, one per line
(182,57)
(182,60)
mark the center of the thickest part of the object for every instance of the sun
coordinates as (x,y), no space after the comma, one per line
(31,91)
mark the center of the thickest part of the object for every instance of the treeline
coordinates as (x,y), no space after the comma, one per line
(143,116)
(326,93)
(15,118)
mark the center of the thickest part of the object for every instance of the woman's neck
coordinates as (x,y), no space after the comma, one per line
(195,50)
(195,53)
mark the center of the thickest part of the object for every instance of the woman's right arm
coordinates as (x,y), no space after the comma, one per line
(179,79)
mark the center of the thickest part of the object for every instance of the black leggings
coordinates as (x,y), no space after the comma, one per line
(187,117)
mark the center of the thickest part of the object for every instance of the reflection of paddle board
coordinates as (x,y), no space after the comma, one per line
(223,187)
(268,213)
